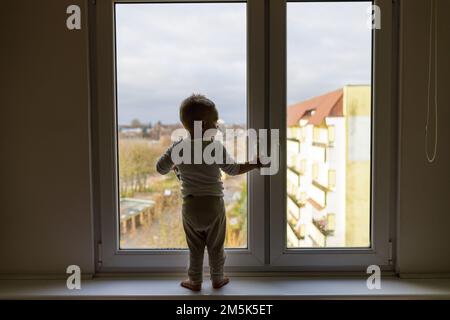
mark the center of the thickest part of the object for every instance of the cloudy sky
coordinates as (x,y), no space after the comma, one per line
(165,52)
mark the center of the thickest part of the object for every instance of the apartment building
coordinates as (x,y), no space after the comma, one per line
(328,169)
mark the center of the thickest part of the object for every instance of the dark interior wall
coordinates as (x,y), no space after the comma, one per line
(46,218)
(45,213)
(424,189)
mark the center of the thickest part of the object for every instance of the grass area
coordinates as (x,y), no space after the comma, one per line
(237,221)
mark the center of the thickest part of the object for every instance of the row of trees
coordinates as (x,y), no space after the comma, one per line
(137,159)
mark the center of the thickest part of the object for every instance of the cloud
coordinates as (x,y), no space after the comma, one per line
(328,46)
(165,52)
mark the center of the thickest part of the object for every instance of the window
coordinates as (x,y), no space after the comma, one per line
(209,52)
(336,71)
(315,171)
(206,53)
(301,217)
(331,134)
(331,72)
(331,179)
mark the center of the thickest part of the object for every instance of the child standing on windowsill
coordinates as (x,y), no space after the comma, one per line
(203,210)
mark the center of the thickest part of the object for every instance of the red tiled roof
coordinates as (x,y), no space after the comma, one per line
(326,105)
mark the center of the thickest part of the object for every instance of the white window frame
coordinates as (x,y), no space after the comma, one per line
(382,158)
(109,256)
(266,107)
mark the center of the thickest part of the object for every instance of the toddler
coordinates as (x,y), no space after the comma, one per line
(203,210)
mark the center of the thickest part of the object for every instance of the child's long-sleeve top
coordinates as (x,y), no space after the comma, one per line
(198,179)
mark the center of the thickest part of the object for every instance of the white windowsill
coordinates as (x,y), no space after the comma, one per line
(239,288)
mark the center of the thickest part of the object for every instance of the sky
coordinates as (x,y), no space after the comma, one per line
(165,52)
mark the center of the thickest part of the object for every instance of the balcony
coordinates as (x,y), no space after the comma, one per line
(293,208)
(293,147)
(323,136)
(323,177)
(318,196)
(316,235)
(297,229)
(326,225)
(296,134)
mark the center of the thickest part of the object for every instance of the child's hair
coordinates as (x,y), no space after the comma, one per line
(197,108)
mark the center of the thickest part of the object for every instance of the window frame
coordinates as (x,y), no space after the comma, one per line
(266,92)
(383,137)
(110,257)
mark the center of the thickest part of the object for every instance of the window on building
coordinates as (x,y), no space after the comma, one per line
(331,134)
(331,179)
(315,171)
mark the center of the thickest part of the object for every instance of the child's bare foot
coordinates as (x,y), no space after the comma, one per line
(220,283)
(189,284)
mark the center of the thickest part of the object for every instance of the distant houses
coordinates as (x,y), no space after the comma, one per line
(328,169)
(159,130)
(131,132)
(151,132)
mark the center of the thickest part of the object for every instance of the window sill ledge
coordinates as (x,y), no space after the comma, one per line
(239,288)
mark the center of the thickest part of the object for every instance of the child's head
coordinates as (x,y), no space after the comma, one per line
(198,108)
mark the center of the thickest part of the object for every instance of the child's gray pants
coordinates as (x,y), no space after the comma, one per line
(204,223)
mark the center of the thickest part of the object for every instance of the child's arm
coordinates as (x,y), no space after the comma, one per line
(165,163)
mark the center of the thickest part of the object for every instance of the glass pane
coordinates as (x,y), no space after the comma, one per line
(166,52)
(329,70)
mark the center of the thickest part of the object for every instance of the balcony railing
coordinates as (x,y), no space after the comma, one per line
(326,225)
